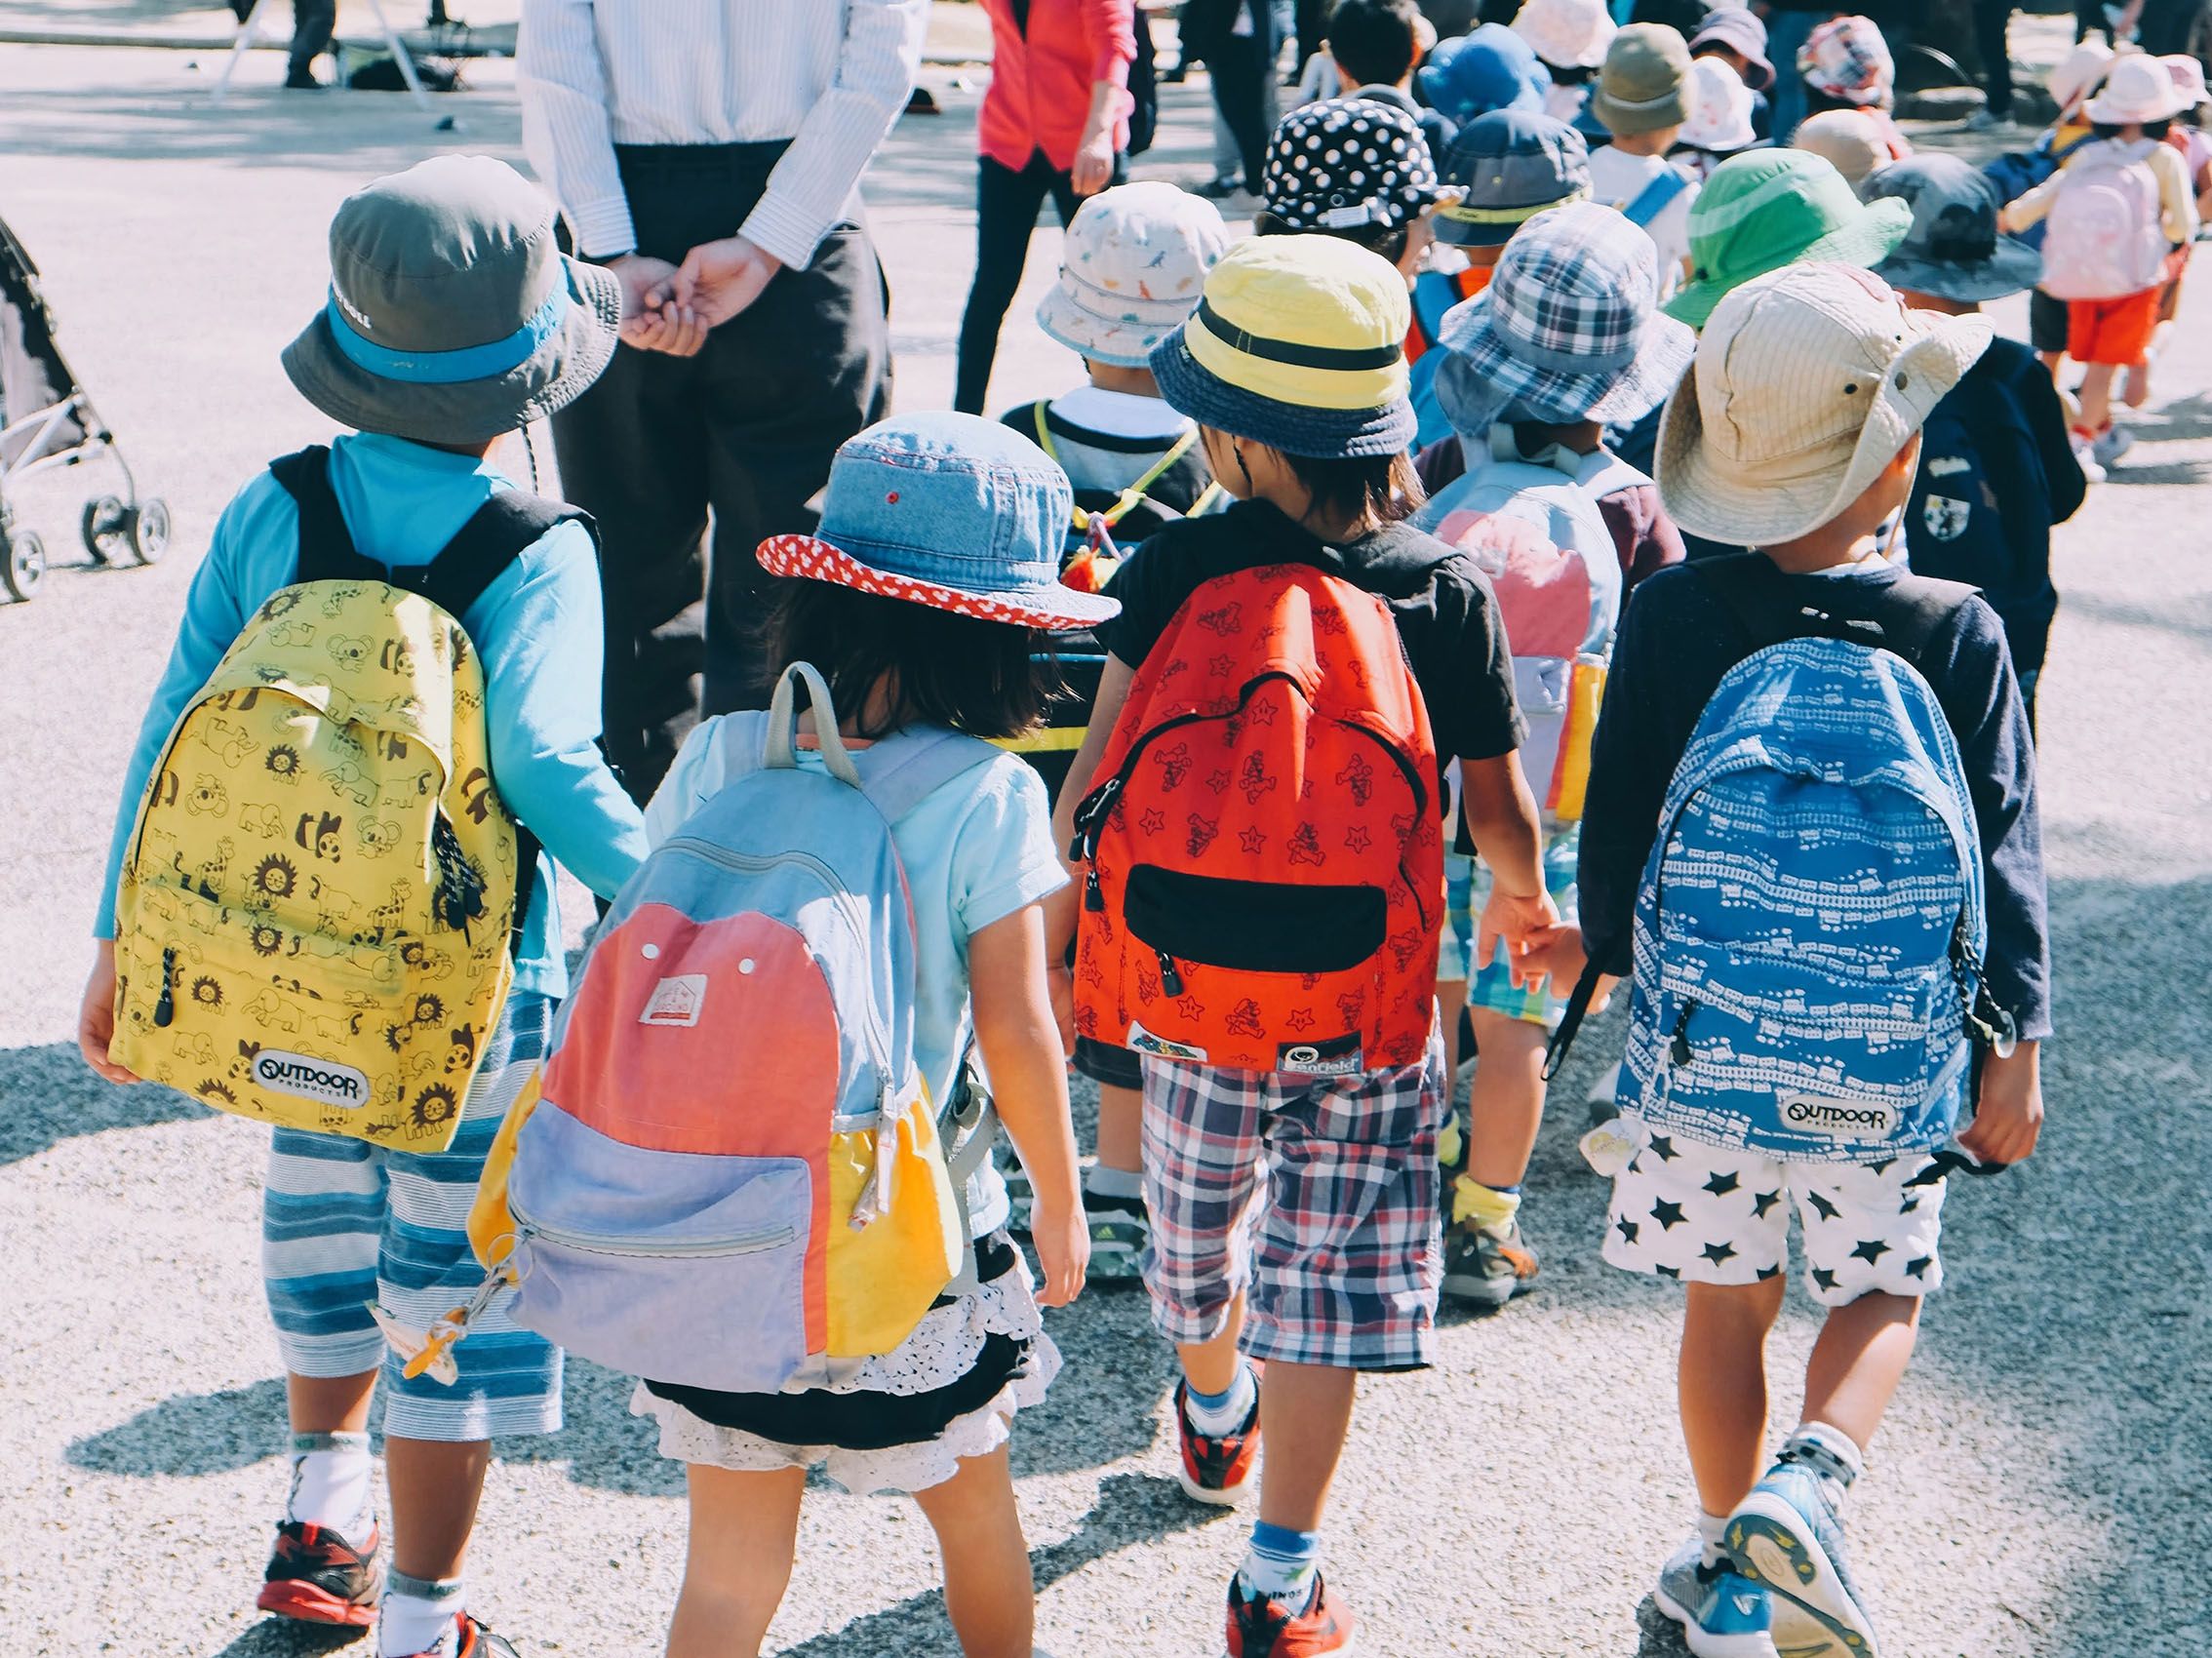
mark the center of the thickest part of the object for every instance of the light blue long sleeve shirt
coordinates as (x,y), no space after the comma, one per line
(538,628)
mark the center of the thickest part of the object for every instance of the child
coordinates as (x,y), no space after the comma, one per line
(2196,147)
(1720,119)
(1375,44)
(2074,80)
(1797,431)
(1505,166)
(1846,64)
(1133,263)
(1735,36)
(1293,372)
(1995,472)
(445,255)
(1569,38)
(1576,291)
(936,560)
(1488,68)
(1643,99)
(2118,208)
(1849,140)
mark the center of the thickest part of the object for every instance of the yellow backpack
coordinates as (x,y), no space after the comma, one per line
(313,919)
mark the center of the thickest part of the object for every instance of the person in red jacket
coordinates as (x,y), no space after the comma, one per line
(1055,122)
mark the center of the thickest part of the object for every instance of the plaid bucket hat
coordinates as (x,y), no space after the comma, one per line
(1569,328)
(1300,343)
(952,511)
(1132,267)
(1847,58)
(1347,163)
(1769,208)
(1741,32)
(1508,165)
(452,317)
(1953,250)
(1488,69)
(1807,383)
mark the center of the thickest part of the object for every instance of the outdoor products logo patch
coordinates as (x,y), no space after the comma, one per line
(1339,1056)
(1840,1119)
(677,1001)
(1144,1042)
(324,1080)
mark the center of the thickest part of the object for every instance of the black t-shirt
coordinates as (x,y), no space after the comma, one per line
(1446,614)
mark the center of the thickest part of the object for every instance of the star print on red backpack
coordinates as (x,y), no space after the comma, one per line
(1265,848)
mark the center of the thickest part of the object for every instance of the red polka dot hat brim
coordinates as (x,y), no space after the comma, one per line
(1053,608)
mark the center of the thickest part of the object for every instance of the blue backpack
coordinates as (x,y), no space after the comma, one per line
(1809,932)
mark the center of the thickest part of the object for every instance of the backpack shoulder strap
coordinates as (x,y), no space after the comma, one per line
(1433,294)
(1771,610)
(900,772)
(1654,198)
(496,533)
(327,552)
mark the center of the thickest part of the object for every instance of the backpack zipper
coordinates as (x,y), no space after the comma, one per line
(1171,977)
(165,1009)
(689,1249)
(1678,1048)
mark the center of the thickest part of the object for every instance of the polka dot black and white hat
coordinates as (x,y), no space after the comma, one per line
(1346,164)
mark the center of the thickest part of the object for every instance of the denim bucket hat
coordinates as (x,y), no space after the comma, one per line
(1568,329)
(952,511)
(1489,68)
(452,316)
(1954,250)
(1510,165)
(1300,343)
(1770,208)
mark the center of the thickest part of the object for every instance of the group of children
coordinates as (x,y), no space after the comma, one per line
(1327,492)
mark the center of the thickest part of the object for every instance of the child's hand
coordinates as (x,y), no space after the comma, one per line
(2008,1117)
(95,1017)
(1061,1232)
(1521,923)
(1561,959)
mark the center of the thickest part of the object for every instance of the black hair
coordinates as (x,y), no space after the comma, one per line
(1570,74)
(2151,128)
(1367,489)
(989,679)
(1818,103)
(1387,240)
(1374,42)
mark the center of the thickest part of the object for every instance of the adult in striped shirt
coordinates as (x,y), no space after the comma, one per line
(709,152)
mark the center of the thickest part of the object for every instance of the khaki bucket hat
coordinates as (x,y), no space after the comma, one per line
(452,316)
(1807,383)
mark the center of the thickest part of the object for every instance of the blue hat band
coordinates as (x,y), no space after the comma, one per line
(483,361)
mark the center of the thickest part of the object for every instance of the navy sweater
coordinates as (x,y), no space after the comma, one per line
(1678,639)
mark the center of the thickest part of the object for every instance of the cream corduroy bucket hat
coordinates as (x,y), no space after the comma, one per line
(1808,380)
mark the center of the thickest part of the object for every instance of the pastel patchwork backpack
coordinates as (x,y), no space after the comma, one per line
(2104,237)
(313,919)
(731,1173)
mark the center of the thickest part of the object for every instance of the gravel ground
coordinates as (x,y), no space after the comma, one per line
(2036,1492)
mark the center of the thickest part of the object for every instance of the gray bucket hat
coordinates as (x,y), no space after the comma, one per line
(1508,165)
(452,317)
(1953,250)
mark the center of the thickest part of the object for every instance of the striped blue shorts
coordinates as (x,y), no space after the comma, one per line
(344,1222)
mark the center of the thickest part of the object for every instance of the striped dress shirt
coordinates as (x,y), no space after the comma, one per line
(829,75)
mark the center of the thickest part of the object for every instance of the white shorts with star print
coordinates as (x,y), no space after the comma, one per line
(1703,1214)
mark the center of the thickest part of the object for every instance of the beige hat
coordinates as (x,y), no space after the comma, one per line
(1645,83)
(1807,383)
(1570,33)
(2138,89)
(1848,138)
(2080,73)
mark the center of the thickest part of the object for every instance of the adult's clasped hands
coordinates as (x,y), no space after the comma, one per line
(672,308)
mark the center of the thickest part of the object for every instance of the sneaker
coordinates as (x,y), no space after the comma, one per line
(1217,1469)
(1220,187)
(1484,1270)
(1786,1537)
(2111,443)
(303,80)
(468,1639)
(1260,1628)
(1119,1232)
(2085,458)
(1722,1614)
(315,1576)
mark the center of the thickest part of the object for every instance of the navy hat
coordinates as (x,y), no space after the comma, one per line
(1953,250)
(1512,165)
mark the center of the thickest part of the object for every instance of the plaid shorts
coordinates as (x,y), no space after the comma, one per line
(1315,1197)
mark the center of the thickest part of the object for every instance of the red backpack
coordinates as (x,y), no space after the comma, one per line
(1266,858)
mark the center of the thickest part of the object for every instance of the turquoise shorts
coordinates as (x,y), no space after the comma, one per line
(1466,889)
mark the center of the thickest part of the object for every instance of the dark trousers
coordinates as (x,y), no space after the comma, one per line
(1992,27)
(313,22)
(1007,204)
(743,431)
(1243,66)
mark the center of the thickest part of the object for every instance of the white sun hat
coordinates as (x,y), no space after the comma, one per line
(1570,33)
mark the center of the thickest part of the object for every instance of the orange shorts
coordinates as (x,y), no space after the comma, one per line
(2112,330)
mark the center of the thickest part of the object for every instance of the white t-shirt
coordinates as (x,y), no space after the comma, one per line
(1617,179)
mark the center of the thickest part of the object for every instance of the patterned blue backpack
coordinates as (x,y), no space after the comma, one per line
(1808,935)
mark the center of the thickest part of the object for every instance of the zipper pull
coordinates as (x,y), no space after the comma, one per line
(1678,1048)
(1171,977)
(1094,897)
(165,1009)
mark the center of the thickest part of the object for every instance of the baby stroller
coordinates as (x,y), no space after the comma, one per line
(45,420)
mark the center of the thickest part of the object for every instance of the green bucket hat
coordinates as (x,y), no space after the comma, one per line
(452,317)
(1770,208)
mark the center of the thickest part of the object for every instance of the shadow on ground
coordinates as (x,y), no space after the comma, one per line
(48,1094)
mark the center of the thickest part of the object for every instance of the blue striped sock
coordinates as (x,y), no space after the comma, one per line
(1280,1564)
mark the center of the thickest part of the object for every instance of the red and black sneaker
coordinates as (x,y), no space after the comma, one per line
(317,1577)
(470,1640)
(1261,1627)
(1215,1468)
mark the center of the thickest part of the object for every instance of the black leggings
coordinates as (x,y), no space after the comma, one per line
(1007,204)
(1992,26)
(1241,65)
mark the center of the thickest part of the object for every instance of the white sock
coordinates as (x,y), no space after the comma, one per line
(1710,1529)
(1105,1182)
(330,1479)
(1830,1453)
(417,1614)
(1215,1414)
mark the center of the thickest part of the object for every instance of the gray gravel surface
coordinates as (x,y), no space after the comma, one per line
(2041,1488)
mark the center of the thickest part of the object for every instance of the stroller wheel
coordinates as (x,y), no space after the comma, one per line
(25,565)
(149,531)
(106,529)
